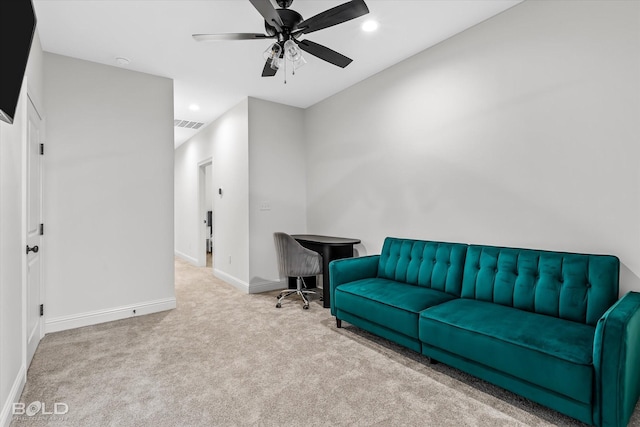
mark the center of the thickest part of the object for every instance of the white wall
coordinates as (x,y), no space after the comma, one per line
(255,163)
(277,185)
(108,193)
(13,367)
(12,358)
(521,131)
(225,141)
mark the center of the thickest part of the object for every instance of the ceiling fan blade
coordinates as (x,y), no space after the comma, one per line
(268,71)
(268,12)
(324,53)
(229,36)
(337,15)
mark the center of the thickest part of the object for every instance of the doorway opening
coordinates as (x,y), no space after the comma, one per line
(206,215)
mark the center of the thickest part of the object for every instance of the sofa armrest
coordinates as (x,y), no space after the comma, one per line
(616,360)
(347,270)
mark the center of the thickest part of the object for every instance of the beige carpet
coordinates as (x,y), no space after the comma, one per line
(224,358)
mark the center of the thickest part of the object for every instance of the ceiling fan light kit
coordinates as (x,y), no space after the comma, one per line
(287,26)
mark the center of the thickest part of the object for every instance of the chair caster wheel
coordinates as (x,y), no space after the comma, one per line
(278,305)
(306,307)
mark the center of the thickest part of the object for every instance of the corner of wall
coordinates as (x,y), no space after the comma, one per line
(14,396)
(232,280)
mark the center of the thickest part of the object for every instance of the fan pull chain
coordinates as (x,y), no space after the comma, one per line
(284,60)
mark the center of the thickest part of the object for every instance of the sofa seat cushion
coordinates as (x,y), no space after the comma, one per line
(552,353)
(393,304)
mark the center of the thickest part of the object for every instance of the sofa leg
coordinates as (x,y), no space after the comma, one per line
(338,323)
(432,361)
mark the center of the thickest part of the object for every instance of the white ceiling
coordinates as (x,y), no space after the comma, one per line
(156,36)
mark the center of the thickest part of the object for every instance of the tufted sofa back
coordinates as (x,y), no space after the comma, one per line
(434,265)
(570,286)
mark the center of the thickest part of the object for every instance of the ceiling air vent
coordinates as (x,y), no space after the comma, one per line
(187,124)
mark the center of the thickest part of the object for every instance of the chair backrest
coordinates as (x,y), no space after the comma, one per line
(436,265)
(570,286)
(294,260)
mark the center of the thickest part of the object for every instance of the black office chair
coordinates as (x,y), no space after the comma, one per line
(294,260)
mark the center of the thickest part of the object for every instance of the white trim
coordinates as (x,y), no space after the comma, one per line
(233,281)
(205,162)
(267,285)
(202,211)
(250,288)
(38,123)
(100,316)
(186,257)
(14,396)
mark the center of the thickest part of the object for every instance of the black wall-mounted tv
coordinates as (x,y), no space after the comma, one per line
(17,26)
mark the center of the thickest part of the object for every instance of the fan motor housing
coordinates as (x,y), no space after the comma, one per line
(290,20)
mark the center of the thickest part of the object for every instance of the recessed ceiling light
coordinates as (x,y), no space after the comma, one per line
(121,60)
(369,26)
(194,107)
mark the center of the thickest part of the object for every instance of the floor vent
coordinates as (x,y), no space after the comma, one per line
(187,124)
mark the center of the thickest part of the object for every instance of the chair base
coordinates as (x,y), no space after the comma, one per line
(303,292)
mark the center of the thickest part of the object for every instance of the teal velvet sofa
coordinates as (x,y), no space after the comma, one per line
(546,325)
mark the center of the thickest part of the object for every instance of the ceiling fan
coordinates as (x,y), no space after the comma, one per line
(287,26)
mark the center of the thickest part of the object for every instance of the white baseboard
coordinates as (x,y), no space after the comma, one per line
(186,257)
(14,396)
(250,288)
(100,316)
(266,286)
(233,281)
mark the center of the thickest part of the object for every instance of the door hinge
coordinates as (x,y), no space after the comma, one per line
(41,309)
(42,229)
(41,149)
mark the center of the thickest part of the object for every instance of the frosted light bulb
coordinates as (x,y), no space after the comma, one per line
(291,50)
(276,63)
(272,52)
(299,62)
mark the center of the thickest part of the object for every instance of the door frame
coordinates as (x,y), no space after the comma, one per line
(30,104)
(201,247)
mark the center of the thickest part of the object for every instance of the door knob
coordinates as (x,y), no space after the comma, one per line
(33,249)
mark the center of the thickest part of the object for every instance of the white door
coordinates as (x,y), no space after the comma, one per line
(33,220)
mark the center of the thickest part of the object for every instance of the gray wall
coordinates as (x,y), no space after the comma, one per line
(108,197)
(108,193)
(521,131)
(277,184)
